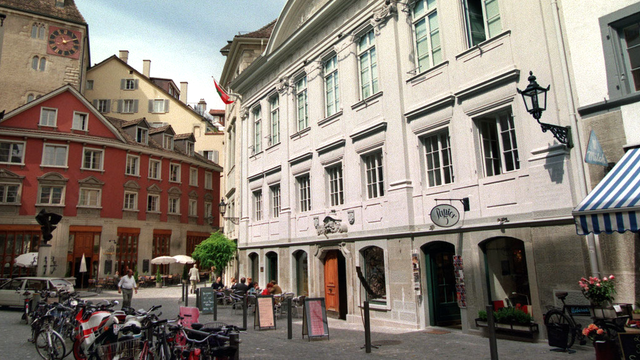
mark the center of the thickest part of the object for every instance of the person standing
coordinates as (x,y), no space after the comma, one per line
(194,276)
(127,286)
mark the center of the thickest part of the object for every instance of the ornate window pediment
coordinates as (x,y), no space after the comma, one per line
(154,189)
(91,182)
(174,191)
(131,186)
(52,178)
(193,194)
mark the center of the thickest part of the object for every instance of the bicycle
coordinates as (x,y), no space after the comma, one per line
(561,320)
(49,343)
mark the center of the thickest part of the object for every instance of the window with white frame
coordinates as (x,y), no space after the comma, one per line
(274,104)
(336,190)
(142,135)
(208,180)
(193,207)
(89,85)
(620,33)
(257,205)
(129,84)
(275,200)
(51,195)
(438,159)
(130,200)
(90,197)
(630,43)
(54,155)
(11,152)
(331,86)
(128,106)
(167,141)
(174,172)
(48,117)
(103,105)
(374,175)
(304,192)
(80,121)
(9,193)
(92,159)
(257,129)
(499,145)
(208,209)
(174,205)
(302,107)
(211,155)
(193,176)
(133,165)
(189,148)
(367,65)
(158,106)
(427,34)
(374,272)
(482,19)
(155,169)
(153,203)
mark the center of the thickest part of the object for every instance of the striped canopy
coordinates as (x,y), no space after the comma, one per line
(614,205)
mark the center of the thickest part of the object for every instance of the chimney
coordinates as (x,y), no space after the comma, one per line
(146,68)
(124,55)
(202,107)
(183,91)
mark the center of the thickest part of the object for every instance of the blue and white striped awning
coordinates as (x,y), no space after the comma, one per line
(614,205)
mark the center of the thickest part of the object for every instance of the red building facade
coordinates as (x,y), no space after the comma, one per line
(128,190)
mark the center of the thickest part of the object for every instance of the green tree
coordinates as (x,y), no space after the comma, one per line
(216,251)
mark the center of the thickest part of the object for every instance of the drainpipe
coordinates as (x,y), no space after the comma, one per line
(592,240)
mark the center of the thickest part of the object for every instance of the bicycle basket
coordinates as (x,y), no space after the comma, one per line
(120,350)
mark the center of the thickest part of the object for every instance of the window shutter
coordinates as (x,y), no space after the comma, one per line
(136,84)
(150,106)
(166,106)
(215,156)
(108,106)
(135,104)
(95,103)
(122,84)
(120,106)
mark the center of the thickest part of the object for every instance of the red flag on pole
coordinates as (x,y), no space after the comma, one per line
(223,94)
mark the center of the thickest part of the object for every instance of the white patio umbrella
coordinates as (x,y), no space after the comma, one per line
(83,269)
(162,260)
(27,260)
(184,259)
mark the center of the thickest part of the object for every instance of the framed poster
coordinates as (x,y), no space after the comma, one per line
(265,318)
(314,321)
(461,292)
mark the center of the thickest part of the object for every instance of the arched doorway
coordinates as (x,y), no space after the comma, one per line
(335,284)
(272,267)
(441,284)
(254,267)
(301,273)
(506,270)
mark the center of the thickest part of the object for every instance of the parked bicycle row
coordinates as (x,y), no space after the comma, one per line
(99,331)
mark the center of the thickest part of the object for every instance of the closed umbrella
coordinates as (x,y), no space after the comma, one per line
(83,269)
(27,260)
(184,259)
(162,260)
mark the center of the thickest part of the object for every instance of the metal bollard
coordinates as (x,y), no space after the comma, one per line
(186,295)
(493,344)
(289,320)
(182,298)
(367,328)
(244,311)
(234,342)
(215,305)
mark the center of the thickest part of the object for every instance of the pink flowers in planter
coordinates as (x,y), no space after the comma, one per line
(598,291)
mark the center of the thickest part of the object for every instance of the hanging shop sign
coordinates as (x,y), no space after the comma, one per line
(445,215)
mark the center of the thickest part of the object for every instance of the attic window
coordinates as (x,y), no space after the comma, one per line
(142,135)
(189,148)
(167,142)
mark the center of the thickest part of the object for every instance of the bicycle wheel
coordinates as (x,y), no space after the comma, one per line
(50,345)
(555,318)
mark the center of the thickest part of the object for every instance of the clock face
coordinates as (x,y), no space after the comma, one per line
(63,42)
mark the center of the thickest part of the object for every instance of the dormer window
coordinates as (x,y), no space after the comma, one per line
(167,141)
(189,148)
(142,135)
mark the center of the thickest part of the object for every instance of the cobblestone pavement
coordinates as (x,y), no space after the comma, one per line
(345,341)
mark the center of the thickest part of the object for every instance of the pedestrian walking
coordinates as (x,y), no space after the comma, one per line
(127,286)
(194,276)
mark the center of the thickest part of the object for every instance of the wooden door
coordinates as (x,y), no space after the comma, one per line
(331,288)
(83,245)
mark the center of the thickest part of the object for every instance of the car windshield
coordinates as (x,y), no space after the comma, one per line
(60,283)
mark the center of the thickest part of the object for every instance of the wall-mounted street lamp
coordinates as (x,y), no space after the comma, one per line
(535,100)
(223,209)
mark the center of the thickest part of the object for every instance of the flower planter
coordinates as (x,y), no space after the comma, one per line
(605,350)
(529,329)
(158,284)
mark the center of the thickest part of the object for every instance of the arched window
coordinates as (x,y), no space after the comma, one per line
(34,62)
(41,32)
(254,267)
(43,63)
(506,266)
(30,98)
(272,267)
(374,273)
(302,273)
(34,31)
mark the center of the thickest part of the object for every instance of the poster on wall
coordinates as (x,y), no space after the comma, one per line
(416,271)
(461,292)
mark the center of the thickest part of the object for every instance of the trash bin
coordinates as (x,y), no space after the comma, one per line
(558,335)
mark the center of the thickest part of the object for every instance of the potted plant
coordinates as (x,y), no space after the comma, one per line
(600,293)
(510,319)
(636,312)
(158,278)
(605,346)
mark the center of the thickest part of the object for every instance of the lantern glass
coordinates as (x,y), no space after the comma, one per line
(222,207)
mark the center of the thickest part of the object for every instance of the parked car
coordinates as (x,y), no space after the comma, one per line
(12,292)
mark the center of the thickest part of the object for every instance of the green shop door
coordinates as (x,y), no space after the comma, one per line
(441,287)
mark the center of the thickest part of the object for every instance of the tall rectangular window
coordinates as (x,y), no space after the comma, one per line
(374,176)
(257,129)
(129,106)
(89,197)
(11,153)
(48,117)
(193,176)
(174,205)
(208,209)
(80,121)
(142,135)
(257,205)
(499,145)
(482,20)
(54,155)
(336,190)
(174,172)
(92,159)
(130,200)
(275,200)
(331,86)
(427,33)
(193,207)
(304,192)
(155,167)
(438,159)
(153,203)
(208,180)
(274,104)
(103,105)
(9,193)
(133,165)
(368,65)
(51,195)
(302,113)
(167,141)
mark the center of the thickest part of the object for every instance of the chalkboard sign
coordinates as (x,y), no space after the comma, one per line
(265,315)
(630,345)
(205,300)
(108,266)
(314,321)
(145,266)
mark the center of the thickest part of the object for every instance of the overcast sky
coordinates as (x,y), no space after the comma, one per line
(182,38)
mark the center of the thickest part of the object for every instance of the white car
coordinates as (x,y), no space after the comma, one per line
(12,292)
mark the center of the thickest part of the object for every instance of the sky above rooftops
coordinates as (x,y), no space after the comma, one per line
(181,38)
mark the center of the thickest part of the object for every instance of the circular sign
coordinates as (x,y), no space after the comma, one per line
(445,215)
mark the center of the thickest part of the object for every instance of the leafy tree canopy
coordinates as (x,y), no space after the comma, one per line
(216,251)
